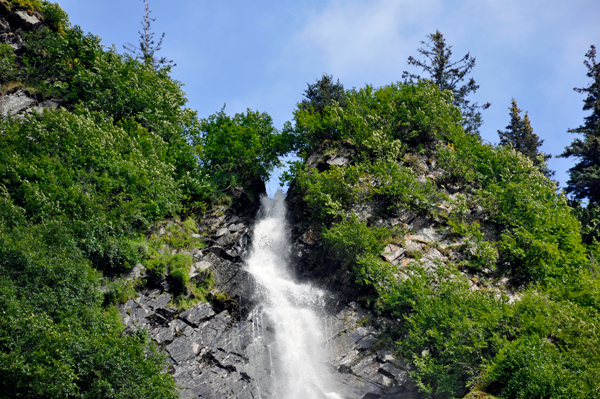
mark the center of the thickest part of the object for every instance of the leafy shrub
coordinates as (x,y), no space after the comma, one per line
(331,193)
(55,17)
(27,4)
(179,270)
(99,180)
(119,291)
(554,354)
(351,239)
(8,70)
(179,235)
(589,217)
(56,341)
(328,194)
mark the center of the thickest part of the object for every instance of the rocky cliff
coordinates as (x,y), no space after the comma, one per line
(221,350)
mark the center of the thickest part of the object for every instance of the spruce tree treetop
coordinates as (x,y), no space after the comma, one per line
(147,49)
(584,182)
(519,134)
(448,75)
(322,93)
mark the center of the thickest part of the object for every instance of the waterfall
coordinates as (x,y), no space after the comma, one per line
(294,312)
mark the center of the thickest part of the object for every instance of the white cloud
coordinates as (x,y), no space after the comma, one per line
(350,37)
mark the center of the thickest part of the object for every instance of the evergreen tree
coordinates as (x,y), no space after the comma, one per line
(519,134)
(147,48)
(448,75)
(322,93)
(584,181)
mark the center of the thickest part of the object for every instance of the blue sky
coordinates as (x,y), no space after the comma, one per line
(261,54)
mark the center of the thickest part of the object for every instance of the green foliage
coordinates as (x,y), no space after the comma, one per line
(544,345)
(330,194)
(351,239)
(240,149)
(31,5)
(98,180)
(179,235)
(147,48)
(479,253)
(76,68)
(119,291)
(179,270)
(589,217)
(323,93)
(399,187)
(450,331)
(55,17)
(554,353)
(8,69)
(55,339)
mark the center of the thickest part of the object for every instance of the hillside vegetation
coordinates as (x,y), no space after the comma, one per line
(81,185)
(542,345)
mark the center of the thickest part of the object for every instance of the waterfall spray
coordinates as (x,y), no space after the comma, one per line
(298,365)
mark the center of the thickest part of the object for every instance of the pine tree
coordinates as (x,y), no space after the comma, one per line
(519,134)
(448,75)
(322,93)
(147,49)
(584,181)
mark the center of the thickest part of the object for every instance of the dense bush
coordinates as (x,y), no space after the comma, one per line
(99,181)
(539,234)
(415,115)
(78,186)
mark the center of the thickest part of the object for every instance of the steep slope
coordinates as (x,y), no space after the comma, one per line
(465,248)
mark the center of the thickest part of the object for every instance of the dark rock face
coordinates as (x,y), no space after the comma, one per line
(213,356)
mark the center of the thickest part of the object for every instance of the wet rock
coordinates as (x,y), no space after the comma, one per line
(237,227)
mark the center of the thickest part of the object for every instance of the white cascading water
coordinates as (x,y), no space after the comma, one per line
(297,365)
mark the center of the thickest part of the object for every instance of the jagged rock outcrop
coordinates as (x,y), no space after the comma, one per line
(13,23)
